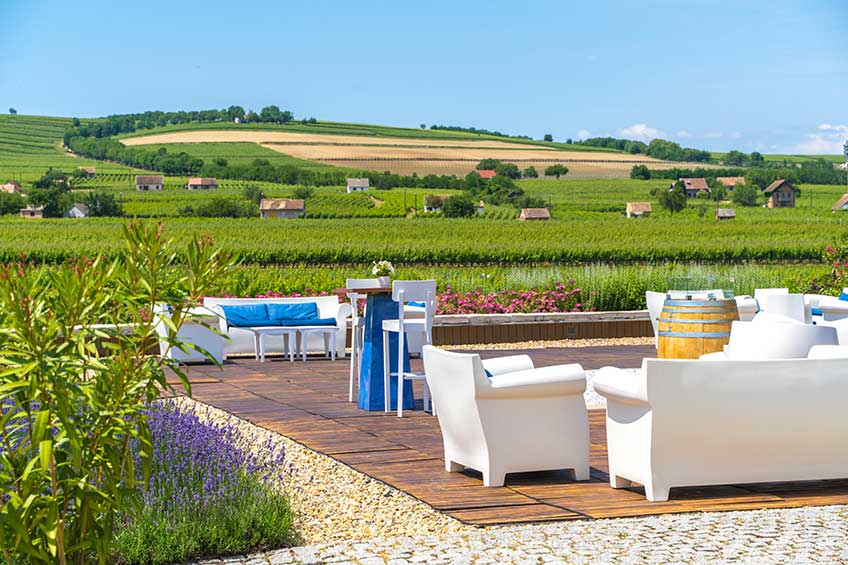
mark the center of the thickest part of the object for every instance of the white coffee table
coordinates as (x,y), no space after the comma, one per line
(261,332)
(329,334)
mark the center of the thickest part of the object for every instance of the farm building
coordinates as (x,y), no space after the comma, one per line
(78,210)
(201,183)
(725,214)
(480,208)
(434,202)
(695,186)
(149,182)
(88,172)
(357,185)
(281,208)
(731,182)
(11,187)
(534,214)
(638,209)
(841,204)
(486,173)
(31,211)
(780,194)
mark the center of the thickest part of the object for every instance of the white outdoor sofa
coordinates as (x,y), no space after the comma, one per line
(773,340)
(198,330)
(690,422)
(519,419)
(833,308)
(241,340)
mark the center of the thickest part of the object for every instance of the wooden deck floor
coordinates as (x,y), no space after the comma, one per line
(308,403)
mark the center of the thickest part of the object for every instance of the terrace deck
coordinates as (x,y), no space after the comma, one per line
(308,403)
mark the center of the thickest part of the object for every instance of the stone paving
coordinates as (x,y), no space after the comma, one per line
(798,535)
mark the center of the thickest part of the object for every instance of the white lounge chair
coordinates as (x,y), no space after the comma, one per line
(759,340)
(689,422)
(519,419)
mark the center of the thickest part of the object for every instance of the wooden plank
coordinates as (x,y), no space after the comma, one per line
(514,514)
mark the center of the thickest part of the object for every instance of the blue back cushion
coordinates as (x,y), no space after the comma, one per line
(247,315)
(843,296)
(301,311)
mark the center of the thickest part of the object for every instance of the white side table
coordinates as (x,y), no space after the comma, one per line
(259,333)
(329,333)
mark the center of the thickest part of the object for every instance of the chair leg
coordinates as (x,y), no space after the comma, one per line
(262,348)
(493,478)
(400,372)
(352,364)
(452,467)
(426,397)
(619,482)
(326,345)
(256,346)
(386,384)
(656,493)
(290,346)
(333,346)
(303,347)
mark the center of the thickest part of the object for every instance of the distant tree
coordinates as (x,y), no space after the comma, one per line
(556,171)
(103,204)
(303,192)
(423,126)
(10,203)
(218,207)
(253,194)
(488,164)
(251,116)
(548,137)
(530,173)
(52,178)
(641,172)
(473,181)
(718,191)
(735,159)
(673,199)
(13,111)
(569,141)
(234,112)
(756,159)
(219,162)
(458,206)
(508,170)
(270,114)
(745,194)
(55,201)
(76,122)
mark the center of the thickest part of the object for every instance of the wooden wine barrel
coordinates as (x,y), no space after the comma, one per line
(687,329)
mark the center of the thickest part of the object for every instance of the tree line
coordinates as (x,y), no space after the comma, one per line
(657,148)
(52,191)
(818,171)
(478,131)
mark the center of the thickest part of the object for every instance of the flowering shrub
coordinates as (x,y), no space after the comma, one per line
(206,495)
(558,297)
(382,268)
(836,260)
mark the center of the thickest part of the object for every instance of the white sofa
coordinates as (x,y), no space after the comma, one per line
(758,340)
(688,422)
(520,419)
(198,330)
(841,327)
(832,308)
(241,340)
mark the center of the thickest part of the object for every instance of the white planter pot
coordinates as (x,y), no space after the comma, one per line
(384,282)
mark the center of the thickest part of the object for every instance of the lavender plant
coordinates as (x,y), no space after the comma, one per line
(207,494)
(76,379)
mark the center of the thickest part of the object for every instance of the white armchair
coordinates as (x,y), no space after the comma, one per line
(832,308)
(519,419)
(760,340)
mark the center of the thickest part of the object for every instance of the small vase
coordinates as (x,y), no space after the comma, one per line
(384,282)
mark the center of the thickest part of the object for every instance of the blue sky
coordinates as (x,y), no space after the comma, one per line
(754,75)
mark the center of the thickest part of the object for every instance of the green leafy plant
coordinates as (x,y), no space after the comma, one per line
(76,379)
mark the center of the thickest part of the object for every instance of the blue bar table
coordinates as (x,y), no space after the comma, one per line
(378,307)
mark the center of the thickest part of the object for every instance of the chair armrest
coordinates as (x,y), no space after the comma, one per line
(828,352)
(344,312)
(558,380)
(510,364)
(222,319)
(619,386)
(714,356)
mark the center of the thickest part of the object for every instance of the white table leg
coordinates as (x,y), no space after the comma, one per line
(333,345)
(326,345)
(289,345)
(262,348)
(256,345)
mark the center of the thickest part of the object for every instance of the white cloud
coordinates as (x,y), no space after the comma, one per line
(642,132)
(827,140)
(583,134)
(683,134)
(713,135)
(736,135)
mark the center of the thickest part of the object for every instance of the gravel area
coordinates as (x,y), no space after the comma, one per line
(797,535)
(540,344)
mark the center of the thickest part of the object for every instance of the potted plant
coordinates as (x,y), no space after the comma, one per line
(383,270)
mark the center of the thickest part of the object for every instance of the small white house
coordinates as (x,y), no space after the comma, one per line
(36,212)
(202,183)
(281,208)
(480,208)
(78,210)
(638,209)
(149,182)
(11,187)
(357,185)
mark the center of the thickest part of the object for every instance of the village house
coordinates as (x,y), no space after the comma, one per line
(149,182)
(487,173)
(31,211)
(201,183)
(841,204)
(88,172)
(780,194)
(695,186)
(638,209)
(281,208)
(730,182)
(434,202)
(534,214)
(357,185)
(725,214)
(78,210)
(11,187)
(480,209)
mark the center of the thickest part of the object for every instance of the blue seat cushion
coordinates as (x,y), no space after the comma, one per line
(418,304)
(308,322)
(488,374)
(242,315)
(816,311)
(295,311)
(843,296)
